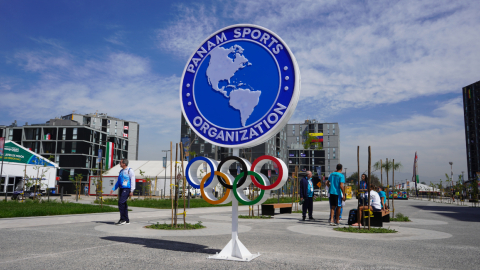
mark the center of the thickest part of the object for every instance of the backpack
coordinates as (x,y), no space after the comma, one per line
(352,216)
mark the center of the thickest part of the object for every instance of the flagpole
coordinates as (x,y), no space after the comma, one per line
(1,170)
(415,174)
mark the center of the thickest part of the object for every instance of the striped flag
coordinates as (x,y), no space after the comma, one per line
(109,155)
(318,137)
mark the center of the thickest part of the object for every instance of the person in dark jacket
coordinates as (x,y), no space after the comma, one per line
(306,196)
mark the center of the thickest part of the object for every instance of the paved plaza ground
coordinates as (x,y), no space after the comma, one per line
(440,236)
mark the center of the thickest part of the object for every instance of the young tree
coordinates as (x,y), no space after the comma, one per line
(77,182)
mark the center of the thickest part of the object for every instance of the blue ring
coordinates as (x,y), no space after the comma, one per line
(212,169)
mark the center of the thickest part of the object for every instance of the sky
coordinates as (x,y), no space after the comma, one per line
(389,72)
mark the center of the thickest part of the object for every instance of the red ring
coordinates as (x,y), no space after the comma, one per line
(280,172)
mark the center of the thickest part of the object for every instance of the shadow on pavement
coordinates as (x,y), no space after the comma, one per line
(458,213)
(105,222)
(163,244)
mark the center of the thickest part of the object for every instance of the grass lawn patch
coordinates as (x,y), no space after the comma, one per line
(166,226)
(351,229)
(31,208)
(194,203)
(297,212)
(255,217)
(400,217)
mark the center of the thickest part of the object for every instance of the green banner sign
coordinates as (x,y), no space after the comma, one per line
(17,154)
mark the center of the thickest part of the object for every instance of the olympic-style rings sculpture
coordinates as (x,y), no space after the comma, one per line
(232,184)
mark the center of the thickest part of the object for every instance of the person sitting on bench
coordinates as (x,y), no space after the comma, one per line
(375,202)
(383,198)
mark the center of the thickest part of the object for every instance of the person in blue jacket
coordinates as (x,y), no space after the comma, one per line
(307,196)
(126,183)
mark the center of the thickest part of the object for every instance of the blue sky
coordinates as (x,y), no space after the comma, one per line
(390,72)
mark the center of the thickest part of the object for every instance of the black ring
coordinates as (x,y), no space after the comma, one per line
(244,169)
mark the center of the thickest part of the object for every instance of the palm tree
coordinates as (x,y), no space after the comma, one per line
(388,166)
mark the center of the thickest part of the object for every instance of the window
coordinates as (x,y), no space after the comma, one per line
(328,155)
(334,132)
(333,155)
(328,126)
(75,130)
(213,148)
(57,159)
(10,134)
(334,150)
(189,130)
(298,139)
(72,172)
(74,147)
(196,141)
(328,143)
(64,134)
(63,148)
(293,130)
(202,148)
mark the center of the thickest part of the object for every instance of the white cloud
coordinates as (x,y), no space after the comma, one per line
(116,38)
(193,25)
(121,85)
(355,54)
(438,138)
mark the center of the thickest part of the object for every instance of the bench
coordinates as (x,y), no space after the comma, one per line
(269,209)
(378,218)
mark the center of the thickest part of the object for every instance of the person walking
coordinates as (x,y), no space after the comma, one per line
(86,191)
(126,183)
(337,193)
(306,196)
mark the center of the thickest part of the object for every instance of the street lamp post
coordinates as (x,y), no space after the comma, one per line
(345,173)
(451,170)
(165,179)
(451,177)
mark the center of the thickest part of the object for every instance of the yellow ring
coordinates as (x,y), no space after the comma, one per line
(225,196)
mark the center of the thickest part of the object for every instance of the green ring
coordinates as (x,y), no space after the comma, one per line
(260,196)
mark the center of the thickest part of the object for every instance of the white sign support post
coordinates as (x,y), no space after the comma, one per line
(235,250)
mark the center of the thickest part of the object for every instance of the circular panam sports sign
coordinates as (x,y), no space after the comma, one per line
(240,87)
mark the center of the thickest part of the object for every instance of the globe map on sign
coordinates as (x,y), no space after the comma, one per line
(239,79)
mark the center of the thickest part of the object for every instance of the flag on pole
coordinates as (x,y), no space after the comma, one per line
(415,173)
(415,177)
(109,155)
(2,145)
(47,137)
